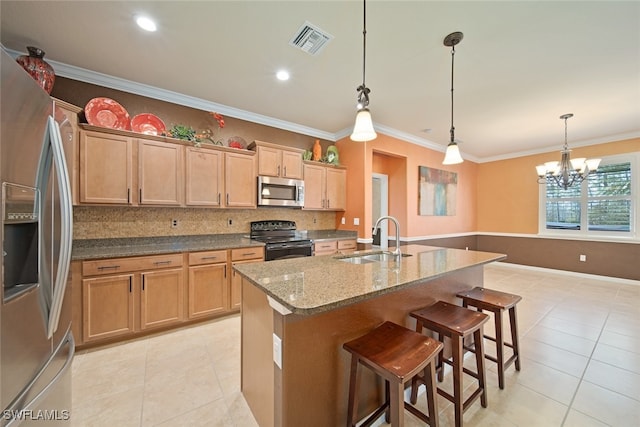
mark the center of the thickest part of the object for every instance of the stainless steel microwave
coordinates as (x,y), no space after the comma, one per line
(280,192)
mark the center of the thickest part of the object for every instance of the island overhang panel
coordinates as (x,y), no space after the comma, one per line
(309,307)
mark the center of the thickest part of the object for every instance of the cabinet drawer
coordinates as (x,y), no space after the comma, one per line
(247,253)
(207,257)
(119,265)
(347,244)
(326,246)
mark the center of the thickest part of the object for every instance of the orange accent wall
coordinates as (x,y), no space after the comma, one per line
(400,160)
(508,190)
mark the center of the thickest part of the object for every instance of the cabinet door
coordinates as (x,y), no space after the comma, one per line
(161,298)
(314,186)
(236,285)
(336,189)
(107,307)
(159,173)
(268,161)
(207,290)
(240,181)
(347,246)
(105,169)
(292,165)
(328,247)
(203,178)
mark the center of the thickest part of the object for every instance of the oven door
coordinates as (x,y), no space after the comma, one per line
(275,251)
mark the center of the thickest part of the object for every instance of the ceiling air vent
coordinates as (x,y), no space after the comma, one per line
(310,39)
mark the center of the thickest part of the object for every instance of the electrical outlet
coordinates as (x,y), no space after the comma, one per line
(315,220)
(174,223)
(229,221)
(277,350)
(344,221)
(583,258)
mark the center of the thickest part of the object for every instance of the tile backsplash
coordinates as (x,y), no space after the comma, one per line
(97,222)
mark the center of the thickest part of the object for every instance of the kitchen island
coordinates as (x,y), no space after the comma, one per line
(297,313)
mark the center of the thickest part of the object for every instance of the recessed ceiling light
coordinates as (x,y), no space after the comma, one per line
(146,23)
(282,75)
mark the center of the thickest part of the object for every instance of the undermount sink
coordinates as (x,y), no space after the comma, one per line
(371,257)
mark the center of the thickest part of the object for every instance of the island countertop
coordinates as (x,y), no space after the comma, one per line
(312,285)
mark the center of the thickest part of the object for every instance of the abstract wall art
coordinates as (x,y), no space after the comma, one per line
(437,191)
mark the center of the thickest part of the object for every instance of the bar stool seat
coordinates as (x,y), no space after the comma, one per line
(456,323)
(497,302)
(396,354)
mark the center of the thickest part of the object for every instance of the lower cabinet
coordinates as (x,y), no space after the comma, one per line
(121,297)
(208,285)
(331,247)
(128,295)
(241,256)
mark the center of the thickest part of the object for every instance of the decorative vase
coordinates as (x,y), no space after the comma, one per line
(38,68)
(317,151)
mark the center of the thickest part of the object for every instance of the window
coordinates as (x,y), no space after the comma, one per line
(604,204)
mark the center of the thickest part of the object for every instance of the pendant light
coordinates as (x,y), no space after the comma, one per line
(568,171)
(363,128)
(452,155)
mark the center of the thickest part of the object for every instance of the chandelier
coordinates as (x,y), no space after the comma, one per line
(452,155)
(363,128)
(567,171)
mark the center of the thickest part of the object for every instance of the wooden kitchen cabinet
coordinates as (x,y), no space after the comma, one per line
(107,307)
(325,247)
(159,173)
(240,181)
(122,296)
(325,187)
(241,256)
(278,161)
(105,168)
(347,246)
(204,178)
(208,283)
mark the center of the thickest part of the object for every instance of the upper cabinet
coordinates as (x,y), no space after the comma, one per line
(166,173)
(105,168)
(325,187)
(277,160)
(159,173)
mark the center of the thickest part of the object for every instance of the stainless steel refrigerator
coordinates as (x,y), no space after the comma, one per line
(36,344)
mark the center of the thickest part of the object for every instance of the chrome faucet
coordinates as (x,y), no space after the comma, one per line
(397,251)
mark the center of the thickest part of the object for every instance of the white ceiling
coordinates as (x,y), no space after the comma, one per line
(520,66)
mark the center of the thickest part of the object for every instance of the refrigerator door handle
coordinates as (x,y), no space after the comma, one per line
(52,152)
(48,388)
(66,226)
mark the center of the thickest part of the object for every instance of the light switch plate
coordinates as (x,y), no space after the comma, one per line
(277,350)
(356,221)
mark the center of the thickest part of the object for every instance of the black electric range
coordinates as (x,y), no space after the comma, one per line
(281,238)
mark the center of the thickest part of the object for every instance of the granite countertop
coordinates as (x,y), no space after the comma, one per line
(312,285)
(123,247)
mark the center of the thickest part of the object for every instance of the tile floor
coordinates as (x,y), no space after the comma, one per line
(580,340)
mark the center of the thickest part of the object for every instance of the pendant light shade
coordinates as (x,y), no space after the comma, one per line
(452,155)
(363,128)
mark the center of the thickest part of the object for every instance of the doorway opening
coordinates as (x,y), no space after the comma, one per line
(379,208)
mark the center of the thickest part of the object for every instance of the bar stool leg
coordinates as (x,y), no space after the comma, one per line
(397,404)
(353,392)
(456,348)
(432,394)
(514,335)
(477,336)
(441,360)
(497,317)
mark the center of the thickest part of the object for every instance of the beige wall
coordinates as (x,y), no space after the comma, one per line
(508,190)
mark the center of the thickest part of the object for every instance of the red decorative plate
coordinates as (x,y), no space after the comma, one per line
(107,113)
(148,124)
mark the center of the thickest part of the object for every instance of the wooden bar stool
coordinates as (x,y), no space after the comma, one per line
(456,323)
(497,302)
(396,354)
